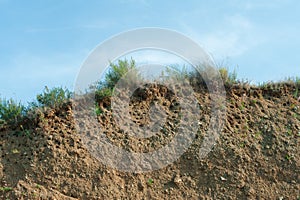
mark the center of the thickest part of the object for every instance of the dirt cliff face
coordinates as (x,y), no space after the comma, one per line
(255,157)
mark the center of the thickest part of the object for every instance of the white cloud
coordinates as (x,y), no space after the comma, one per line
(233,37)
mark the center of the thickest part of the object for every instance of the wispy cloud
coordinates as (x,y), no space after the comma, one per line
(232,37)
(154,57)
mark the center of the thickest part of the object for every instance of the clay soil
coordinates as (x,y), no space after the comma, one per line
(257,155)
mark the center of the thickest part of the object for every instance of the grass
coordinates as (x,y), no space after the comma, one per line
(242,106)
(277,85)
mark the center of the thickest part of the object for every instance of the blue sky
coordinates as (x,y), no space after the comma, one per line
(45,42)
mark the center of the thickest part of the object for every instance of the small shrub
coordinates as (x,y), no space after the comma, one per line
(210,74)
(178,73)
(228,77)
(102,93)
(116,72)
(52,97)
(197,80)
(11,112)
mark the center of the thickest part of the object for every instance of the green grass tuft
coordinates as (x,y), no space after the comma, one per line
(11,112)
(52,98)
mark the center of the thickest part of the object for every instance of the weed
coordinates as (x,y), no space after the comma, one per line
(296,93)
(116,72)
(230,101)
(34,194)
(150,181)
(25,132)
(253,102)
(228,77)
(242,144)
(98,110)
(258,134)
(164,130)
(293,107)
(6,189)
(289,131)
(11,112)
(178,73)
(242,106)
(105,88)
(52,98)
(102,93)
(2,123)
(296,115)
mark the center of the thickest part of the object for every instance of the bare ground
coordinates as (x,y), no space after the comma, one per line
(256,156)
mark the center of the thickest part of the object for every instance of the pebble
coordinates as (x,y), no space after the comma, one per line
(177,180)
